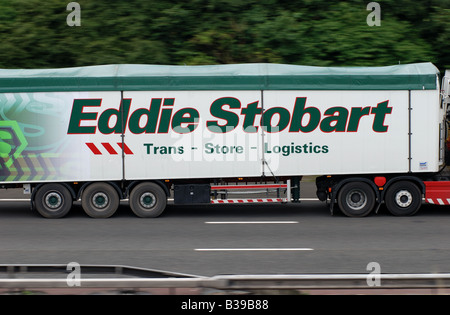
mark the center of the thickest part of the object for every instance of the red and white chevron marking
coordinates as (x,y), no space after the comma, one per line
(438,201)
(109,148)
(437,192)
(248,200)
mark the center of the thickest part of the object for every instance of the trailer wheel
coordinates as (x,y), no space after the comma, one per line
(356,199)
(403,198)
(148,200)
(100,200)
(53,201)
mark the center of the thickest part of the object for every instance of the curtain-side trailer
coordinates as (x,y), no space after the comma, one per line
(202,134)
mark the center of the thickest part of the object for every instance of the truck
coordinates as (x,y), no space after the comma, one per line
(215,134)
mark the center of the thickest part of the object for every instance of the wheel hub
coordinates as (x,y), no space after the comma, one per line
(147,200)
(53,200)
(100,200)
(356,199)
(403,198)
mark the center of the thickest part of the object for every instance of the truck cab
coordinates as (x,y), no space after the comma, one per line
(445,90)
(445,102)
(445,93)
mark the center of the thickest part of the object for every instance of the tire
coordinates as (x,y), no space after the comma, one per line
(356,199)
(100,200)
(148,200)
(403,198)
(53,201)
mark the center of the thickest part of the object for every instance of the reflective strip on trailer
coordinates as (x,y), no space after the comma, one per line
(243,187)
(249,200)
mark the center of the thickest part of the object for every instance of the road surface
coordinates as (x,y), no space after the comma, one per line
(232,239)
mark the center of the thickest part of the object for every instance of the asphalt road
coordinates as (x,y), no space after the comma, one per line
(232,239)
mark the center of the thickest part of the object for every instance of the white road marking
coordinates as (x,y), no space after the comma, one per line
(251,222)
(251,249)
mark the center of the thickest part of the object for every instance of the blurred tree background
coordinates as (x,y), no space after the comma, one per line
(34,33)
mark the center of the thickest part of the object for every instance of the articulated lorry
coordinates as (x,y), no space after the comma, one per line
(224,134)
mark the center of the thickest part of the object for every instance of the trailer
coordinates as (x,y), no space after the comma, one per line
(223,134)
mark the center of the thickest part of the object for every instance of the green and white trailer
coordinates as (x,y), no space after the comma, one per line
(102,134)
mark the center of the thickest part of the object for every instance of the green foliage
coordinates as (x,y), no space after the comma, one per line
(34,34)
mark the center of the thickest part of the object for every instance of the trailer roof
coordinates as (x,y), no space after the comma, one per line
(130,77)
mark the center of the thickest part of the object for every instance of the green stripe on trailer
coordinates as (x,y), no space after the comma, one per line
(420,76)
